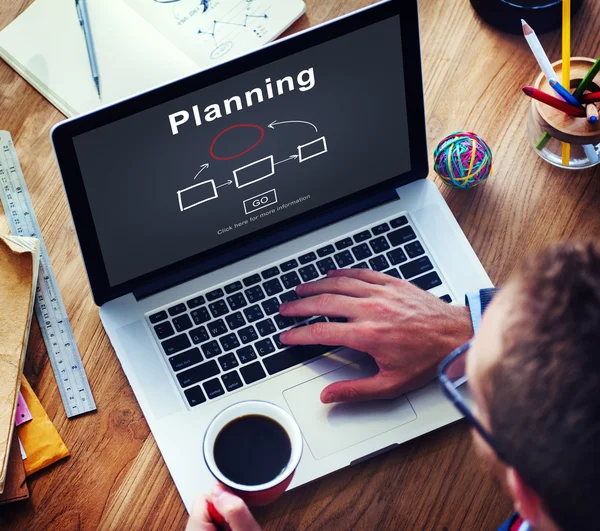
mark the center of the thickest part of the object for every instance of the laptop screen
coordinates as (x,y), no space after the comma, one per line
(232,158)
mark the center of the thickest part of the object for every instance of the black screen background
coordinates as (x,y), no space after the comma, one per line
(133,168)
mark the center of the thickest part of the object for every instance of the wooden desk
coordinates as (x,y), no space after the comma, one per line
(116,478)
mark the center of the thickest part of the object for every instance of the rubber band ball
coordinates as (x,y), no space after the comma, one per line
(463,160)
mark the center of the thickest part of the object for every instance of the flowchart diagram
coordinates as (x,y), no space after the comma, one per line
(208,31)
(251,173)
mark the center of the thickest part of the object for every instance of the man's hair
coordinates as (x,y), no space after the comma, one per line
(544,393)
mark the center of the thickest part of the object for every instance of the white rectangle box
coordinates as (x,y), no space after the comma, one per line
(312,149)
(254,172)
(197,194)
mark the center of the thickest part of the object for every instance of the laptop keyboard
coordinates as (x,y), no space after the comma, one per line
(226,338)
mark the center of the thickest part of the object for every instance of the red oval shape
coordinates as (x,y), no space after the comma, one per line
(262,135)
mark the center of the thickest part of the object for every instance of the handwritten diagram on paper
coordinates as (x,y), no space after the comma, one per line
(250,173)
(212,31)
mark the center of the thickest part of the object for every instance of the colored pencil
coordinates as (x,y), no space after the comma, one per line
(564,93)
(566,67)
(592,97)
(543,141)
(543,62)
(591,112)
(546,98)
(589,77)
(591,154)
(538,51)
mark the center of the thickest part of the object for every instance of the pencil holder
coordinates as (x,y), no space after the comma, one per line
(548,128)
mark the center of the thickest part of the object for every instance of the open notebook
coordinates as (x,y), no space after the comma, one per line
(140,44)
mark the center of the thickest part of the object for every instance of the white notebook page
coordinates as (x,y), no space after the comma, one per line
(46,46)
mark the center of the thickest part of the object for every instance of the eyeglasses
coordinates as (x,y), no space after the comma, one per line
(453,379)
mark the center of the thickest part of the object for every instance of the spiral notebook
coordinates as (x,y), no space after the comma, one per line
(140,44)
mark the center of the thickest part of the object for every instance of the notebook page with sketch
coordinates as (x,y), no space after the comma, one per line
(210,31)
(46,46)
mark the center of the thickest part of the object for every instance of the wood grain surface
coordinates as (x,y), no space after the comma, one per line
(115,477)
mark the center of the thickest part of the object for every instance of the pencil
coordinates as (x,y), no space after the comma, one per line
(543,62)
(546,98)
(591,154)
(592,97)
(592,113)
(566,65)
(589,77)
(538,51)
(564,93)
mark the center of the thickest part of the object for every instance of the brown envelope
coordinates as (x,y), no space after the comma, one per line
(15,488)
(19,260)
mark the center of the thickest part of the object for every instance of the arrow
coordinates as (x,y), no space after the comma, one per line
(285,160)
(275,122)
(202,168)
(225,184)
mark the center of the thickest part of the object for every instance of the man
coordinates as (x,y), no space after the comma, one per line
(533,373)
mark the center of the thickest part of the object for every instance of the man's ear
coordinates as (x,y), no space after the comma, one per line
(526,501)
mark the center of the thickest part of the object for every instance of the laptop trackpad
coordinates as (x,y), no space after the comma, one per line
(329,428)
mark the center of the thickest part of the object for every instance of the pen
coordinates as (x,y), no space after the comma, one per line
(217,518)
(84,21)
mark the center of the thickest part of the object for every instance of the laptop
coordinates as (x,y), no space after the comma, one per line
(201,204)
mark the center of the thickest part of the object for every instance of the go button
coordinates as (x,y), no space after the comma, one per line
(260,201)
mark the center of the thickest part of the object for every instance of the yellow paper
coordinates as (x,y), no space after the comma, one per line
(42,443)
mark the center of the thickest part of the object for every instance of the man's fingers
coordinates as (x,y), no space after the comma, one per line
(366,275)
(377,386)
(324,304)
(234,510)
(332,334)
(199,518)
(340,285)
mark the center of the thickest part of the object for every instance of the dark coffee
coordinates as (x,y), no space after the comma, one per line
(252,450)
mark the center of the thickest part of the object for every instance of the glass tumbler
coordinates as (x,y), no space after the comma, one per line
(548,128)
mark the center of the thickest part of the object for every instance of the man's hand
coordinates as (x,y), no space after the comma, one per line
(407,330)
(232,509)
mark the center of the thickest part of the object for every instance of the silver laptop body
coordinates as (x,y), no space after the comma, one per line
(193,344)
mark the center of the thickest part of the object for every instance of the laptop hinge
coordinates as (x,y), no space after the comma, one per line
(166,282)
